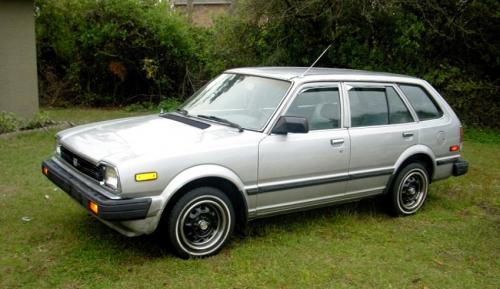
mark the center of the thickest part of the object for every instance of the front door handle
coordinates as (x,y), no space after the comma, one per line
(408,134)
(336,141)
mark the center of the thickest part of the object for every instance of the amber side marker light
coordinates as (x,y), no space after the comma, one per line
(93,207)
(45,171)
(454,148)
(142,177)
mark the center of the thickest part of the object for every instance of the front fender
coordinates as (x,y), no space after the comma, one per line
(183,178)
(180,180)
(198,172)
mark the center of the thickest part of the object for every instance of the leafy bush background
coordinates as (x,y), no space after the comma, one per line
(102,53)
(9,122)
(112,52)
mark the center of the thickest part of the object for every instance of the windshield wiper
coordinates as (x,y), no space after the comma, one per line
(222,120)
(182,111)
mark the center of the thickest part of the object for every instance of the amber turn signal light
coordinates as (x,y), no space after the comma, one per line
(93,207)
(142,177)
(45,171)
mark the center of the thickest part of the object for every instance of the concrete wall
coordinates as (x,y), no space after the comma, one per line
(18,73)
(204,10)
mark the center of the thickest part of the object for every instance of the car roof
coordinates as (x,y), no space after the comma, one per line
(289,73)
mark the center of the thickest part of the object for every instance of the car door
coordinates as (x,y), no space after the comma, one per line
(381,128)
(305,169)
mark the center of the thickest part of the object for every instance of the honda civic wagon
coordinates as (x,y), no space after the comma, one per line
(256,142)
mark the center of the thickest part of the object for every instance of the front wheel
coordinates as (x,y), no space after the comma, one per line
(409,189)
(201,222)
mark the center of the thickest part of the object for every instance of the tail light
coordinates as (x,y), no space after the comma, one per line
(456,148)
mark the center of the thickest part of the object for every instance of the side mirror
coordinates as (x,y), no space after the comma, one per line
(293,124)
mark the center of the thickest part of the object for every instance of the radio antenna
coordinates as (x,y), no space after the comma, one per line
(312,65)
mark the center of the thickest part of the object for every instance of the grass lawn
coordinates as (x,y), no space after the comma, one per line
(454,242)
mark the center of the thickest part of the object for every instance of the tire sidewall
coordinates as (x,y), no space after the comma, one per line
(174,223)
(396,188)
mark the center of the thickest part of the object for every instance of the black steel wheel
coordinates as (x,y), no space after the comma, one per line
(201,222)
(409,189)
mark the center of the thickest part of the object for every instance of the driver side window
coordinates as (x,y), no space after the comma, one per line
(320,106)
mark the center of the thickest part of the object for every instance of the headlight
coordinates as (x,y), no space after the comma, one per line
(110,177)
(58,149)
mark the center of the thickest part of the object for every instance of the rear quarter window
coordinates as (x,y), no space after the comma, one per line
(425,106)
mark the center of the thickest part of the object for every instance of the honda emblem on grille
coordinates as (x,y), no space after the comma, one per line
(75,162)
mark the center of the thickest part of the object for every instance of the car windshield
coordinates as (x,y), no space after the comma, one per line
(238,100)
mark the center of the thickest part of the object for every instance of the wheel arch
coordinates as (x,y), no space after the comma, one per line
(418,153)
(211,176)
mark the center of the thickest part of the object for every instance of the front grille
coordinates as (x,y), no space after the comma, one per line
(82,164)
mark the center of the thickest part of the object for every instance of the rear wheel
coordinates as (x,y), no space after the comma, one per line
(201,222)
(409,189)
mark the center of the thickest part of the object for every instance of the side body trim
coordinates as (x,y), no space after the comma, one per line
(317,202)
(447,160)
(271,187)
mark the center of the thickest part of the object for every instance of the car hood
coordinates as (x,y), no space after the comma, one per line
(122,139)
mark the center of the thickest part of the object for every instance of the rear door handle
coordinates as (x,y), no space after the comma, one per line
(408,134)
(336,141)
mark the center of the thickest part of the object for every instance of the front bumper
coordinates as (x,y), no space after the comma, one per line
(109,209)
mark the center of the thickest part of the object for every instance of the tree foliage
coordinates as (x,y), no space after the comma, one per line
(108,52)
(454,44)
(111,52)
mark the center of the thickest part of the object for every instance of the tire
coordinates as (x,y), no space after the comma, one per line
(409,190)
(200,223)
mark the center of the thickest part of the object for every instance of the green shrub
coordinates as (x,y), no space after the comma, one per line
(8,122)
(140,107)
(482,135)
(168,104)
(453,44)
(113,52)
(41,119)
(121,52)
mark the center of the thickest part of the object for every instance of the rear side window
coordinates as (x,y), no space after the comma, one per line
(398,112)
(376,106)
(424,105)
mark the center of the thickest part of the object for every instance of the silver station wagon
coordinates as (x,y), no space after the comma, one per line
(256,142)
